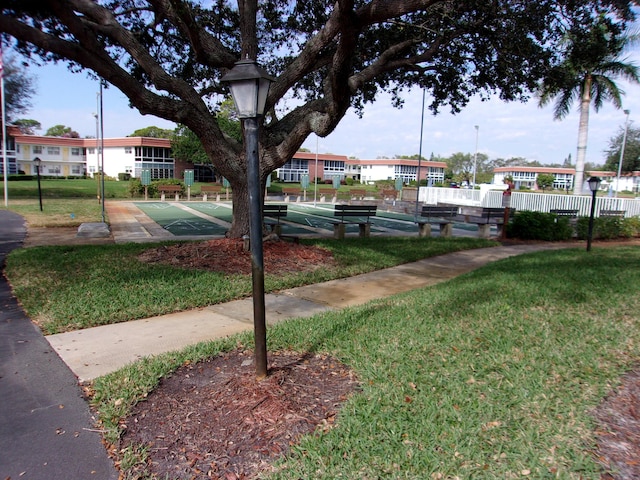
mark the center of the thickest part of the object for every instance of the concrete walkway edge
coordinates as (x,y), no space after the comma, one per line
(94,352)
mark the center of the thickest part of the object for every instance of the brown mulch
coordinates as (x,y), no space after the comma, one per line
(618,433)
(214,420)
(229,256)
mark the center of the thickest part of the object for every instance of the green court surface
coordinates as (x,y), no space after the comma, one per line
(199,218)
(178,221)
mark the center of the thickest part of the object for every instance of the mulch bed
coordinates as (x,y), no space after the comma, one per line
(618,433)
(229,256)
(215,420)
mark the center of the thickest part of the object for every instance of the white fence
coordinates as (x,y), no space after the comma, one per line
(536,202)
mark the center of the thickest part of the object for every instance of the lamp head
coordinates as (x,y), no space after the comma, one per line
(249,84)
(594,183)
(37,161)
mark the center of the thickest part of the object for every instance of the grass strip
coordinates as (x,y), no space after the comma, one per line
(491,375)
(72,287)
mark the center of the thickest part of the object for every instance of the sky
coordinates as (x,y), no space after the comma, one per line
(505,130)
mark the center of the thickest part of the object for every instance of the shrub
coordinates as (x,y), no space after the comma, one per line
(124,177)
(606,228)
(528,225)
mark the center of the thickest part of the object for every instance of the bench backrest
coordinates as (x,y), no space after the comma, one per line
(431,211)
(211,188)
(565,213)
(612,213)
(354,211)
(275,210)
(498,212)
(291,190)
(169,188)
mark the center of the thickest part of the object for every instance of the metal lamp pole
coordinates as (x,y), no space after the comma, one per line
(37,163)
(624,141)
(249,85)
(594,185)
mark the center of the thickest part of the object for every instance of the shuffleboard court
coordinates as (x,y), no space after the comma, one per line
(179,221)
(214,218)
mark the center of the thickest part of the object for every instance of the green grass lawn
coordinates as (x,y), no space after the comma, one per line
(70,287)
(492,375)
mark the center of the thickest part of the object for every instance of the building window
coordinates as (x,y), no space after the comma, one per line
(37,149)
(53,150)
(75,151)
(128,150)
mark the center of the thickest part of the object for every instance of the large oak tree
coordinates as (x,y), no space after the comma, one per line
(167,57)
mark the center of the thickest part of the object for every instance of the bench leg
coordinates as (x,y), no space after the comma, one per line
(338,231)
(277,229)
(204,197)
(365,230)
(287,198)
(424,229)
(446,230)
(162,197)
(484,230)
(177,197)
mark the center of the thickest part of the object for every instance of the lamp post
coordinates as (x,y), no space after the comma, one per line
(249,84)
(624,141)
(475,157)
(37,162)
(594,185)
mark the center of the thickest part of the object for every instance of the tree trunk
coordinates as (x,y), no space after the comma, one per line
(583,129)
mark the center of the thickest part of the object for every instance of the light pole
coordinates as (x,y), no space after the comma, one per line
(37,162)
(475,156)
(249,84)
(594,185)
(624,142)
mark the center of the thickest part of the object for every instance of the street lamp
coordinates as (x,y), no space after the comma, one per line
(594,185)
(624,141)
(475,157)
(249,85)
(37,162)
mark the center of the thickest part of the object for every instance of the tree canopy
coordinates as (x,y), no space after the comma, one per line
(167,57)
(592,64)
(152,132)
(62,131)
(631,157)
(18,88)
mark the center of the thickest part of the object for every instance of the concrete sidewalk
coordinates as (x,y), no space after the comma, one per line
(93,352)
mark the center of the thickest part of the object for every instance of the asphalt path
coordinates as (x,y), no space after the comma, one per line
(47,431)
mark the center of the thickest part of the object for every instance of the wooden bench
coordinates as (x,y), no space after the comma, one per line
(389,194)
(358,193)
(291,192)
(443,216)
(488,217)
(277,212)
(353,214)
(207,190)
(565,213)
(612,213)
(175,189)
(323,193)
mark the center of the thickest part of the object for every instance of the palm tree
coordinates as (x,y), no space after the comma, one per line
(587,73)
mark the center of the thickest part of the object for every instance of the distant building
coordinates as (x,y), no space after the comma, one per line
(327,166)
(68,157)
(564,177)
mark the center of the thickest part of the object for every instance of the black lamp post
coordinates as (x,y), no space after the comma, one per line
(249,84)
(594,185)
(37,162)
